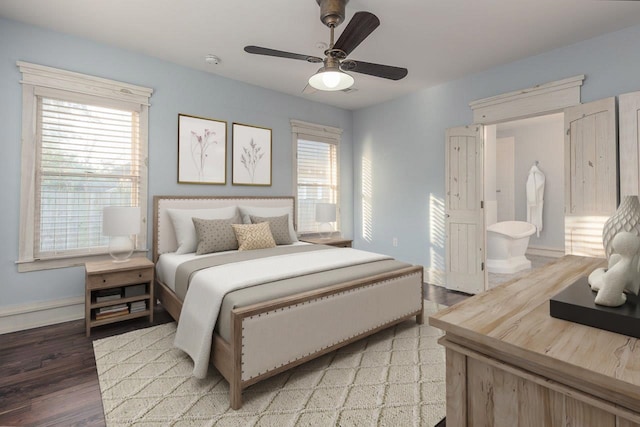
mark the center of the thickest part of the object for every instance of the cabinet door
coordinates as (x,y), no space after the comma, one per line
(591,175)
(464,222)
(629,105)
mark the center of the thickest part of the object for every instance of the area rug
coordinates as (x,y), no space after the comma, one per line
(393,378)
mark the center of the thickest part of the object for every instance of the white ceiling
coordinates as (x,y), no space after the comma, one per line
(437,40)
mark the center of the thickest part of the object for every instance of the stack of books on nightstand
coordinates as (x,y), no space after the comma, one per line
(138,306)
(112,311)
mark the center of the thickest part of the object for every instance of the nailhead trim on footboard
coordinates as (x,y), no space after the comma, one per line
(267,337)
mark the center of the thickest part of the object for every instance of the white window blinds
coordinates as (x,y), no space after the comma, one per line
(317,180)
(89,157)
(84,147)
(317,176)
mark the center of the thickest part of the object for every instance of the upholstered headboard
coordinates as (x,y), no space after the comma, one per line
(164,239)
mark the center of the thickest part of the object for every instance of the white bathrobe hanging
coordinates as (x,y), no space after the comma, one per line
(535,197)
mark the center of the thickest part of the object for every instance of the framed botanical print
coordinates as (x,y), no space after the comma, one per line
(251,163)
(202,150)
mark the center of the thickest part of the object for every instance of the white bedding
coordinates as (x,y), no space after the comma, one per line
(208,287)
(168,263)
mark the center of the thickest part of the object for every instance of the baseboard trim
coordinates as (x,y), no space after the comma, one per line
(435,277)
(29,316)
(544,251)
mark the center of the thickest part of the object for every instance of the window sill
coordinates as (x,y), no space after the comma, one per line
(76,261)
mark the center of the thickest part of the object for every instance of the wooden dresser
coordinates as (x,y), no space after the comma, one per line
(509,363)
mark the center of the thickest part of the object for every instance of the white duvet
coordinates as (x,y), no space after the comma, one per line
(209,286)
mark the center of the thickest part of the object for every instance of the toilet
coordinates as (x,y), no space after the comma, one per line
(507,243)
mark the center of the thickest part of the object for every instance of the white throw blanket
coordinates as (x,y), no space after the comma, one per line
(208,287)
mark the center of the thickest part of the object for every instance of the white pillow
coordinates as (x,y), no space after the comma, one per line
(247,211)
(183,224)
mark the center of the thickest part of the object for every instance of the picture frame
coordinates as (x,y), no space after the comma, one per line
(251,155)
(202,150)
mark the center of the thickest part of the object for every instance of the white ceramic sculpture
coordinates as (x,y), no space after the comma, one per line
(625,218)
(622,274)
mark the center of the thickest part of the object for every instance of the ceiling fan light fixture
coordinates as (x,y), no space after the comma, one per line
(331,79)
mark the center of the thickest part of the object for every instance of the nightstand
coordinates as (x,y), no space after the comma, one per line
(339,242)
(116,291)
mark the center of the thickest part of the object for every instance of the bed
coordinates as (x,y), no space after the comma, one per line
(267,328)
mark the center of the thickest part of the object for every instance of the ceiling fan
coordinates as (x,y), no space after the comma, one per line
(332,76)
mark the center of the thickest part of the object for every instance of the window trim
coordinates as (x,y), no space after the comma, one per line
(38,79)
(320,133)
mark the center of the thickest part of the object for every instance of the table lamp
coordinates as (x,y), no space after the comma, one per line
(325,214)
(120,223)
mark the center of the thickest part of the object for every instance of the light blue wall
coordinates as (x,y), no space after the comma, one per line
(404,139)
(176,90)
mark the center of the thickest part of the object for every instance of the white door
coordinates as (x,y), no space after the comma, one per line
(505,179)
(629,107)
(591,175)
(464,210)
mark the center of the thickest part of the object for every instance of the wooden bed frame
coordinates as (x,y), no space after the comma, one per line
(262,333)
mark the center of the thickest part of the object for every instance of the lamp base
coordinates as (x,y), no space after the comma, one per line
(325,230)
(121,248)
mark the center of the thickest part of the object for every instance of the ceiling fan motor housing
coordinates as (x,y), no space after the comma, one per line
(332,12)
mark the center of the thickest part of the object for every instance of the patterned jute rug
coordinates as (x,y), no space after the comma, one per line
(393,378)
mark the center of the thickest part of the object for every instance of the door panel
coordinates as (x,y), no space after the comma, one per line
(591,175)
(464,212)
(629,104)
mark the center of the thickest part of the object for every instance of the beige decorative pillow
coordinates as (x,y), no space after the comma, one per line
(279,227)
(184,228)
(215,235)
(246,211)
(253,236)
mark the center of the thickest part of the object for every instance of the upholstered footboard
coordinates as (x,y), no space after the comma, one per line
(273,336)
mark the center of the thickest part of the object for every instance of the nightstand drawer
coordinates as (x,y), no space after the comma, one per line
(96,281)
(342,245)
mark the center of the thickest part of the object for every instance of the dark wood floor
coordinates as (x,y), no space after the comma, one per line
(443,295)
(48,375)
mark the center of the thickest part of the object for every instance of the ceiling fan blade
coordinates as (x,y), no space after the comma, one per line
(308,89)
(378,70)
(281,54)
(361,25)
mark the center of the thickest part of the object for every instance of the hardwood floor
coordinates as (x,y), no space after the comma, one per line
(48,375)
(442,295)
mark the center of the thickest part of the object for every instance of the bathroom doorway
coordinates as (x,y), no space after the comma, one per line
(590,174)
(515,147)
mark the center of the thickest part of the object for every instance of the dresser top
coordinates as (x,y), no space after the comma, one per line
(512,323)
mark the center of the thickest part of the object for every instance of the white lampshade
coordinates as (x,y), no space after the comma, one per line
(330,79)
(325,212)
(119,223)
(120,220)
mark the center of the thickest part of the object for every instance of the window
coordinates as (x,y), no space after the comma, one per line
(87,150)
(317,174)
